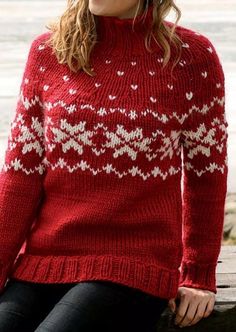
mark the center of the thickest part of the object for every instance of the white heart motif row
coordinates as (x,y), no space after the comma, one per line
(189,95)
(111,97)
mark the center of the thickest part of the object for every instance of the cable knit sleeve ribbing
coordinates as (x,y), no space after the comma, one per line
(23,170)
(204,147)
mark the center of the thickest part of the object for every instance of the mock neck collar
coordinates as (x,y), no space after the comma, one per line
(118,36)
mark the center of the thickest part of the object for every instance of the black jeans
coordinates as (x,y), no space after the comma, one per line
(78,307)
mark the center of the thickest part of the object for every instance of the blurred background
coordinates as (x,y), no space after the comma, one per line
(21,21)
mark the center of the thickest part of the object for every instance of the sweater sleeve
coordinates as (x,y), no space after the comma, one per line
(204,152)
(22,172)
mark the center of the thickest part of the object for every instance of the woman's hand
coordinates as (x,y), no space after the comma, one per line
(194,305)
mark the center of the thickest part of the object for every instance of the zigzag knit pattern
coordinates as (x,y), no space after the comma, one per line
(90,188)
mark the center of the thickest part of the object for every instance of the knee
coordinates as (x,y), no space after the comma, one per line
(11,320)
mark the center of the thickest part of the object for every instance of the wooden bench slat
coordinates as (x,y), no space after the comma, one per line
(226,279)
(226,295)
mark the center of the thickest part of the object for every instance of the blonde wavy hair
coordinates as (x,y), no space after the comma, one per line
(74,33)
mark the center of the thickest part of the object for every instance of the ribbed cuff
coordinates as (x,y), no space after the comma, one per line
(198,276)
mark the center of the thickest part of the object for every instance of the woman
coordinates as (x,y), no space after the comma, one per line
(112,98)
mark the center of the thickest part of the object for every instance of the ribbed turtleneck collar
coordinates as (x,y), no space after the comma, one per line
(118,36)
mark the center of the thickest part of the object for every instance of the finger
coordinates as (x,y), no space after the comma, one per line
(209,307)
(199,313)
(182,308)
(172,305)
(190,314)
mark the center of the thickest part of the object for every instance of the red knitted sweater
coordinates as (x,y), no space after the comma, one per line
(90,188)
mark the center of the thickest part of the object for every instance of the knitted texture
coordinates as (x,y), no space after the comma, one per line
(90,188)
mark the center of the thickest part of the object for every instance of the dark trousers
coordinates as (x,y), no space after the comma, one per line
(77,307)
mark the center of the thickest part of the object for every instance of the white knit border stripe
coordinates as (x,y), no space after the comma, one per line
(134,171)
(28,103)
(211,167)
(109,168)
(132,114)
(16,165)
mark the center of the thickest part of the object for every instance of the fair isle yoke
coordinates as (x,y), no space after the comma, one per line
(91,179)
